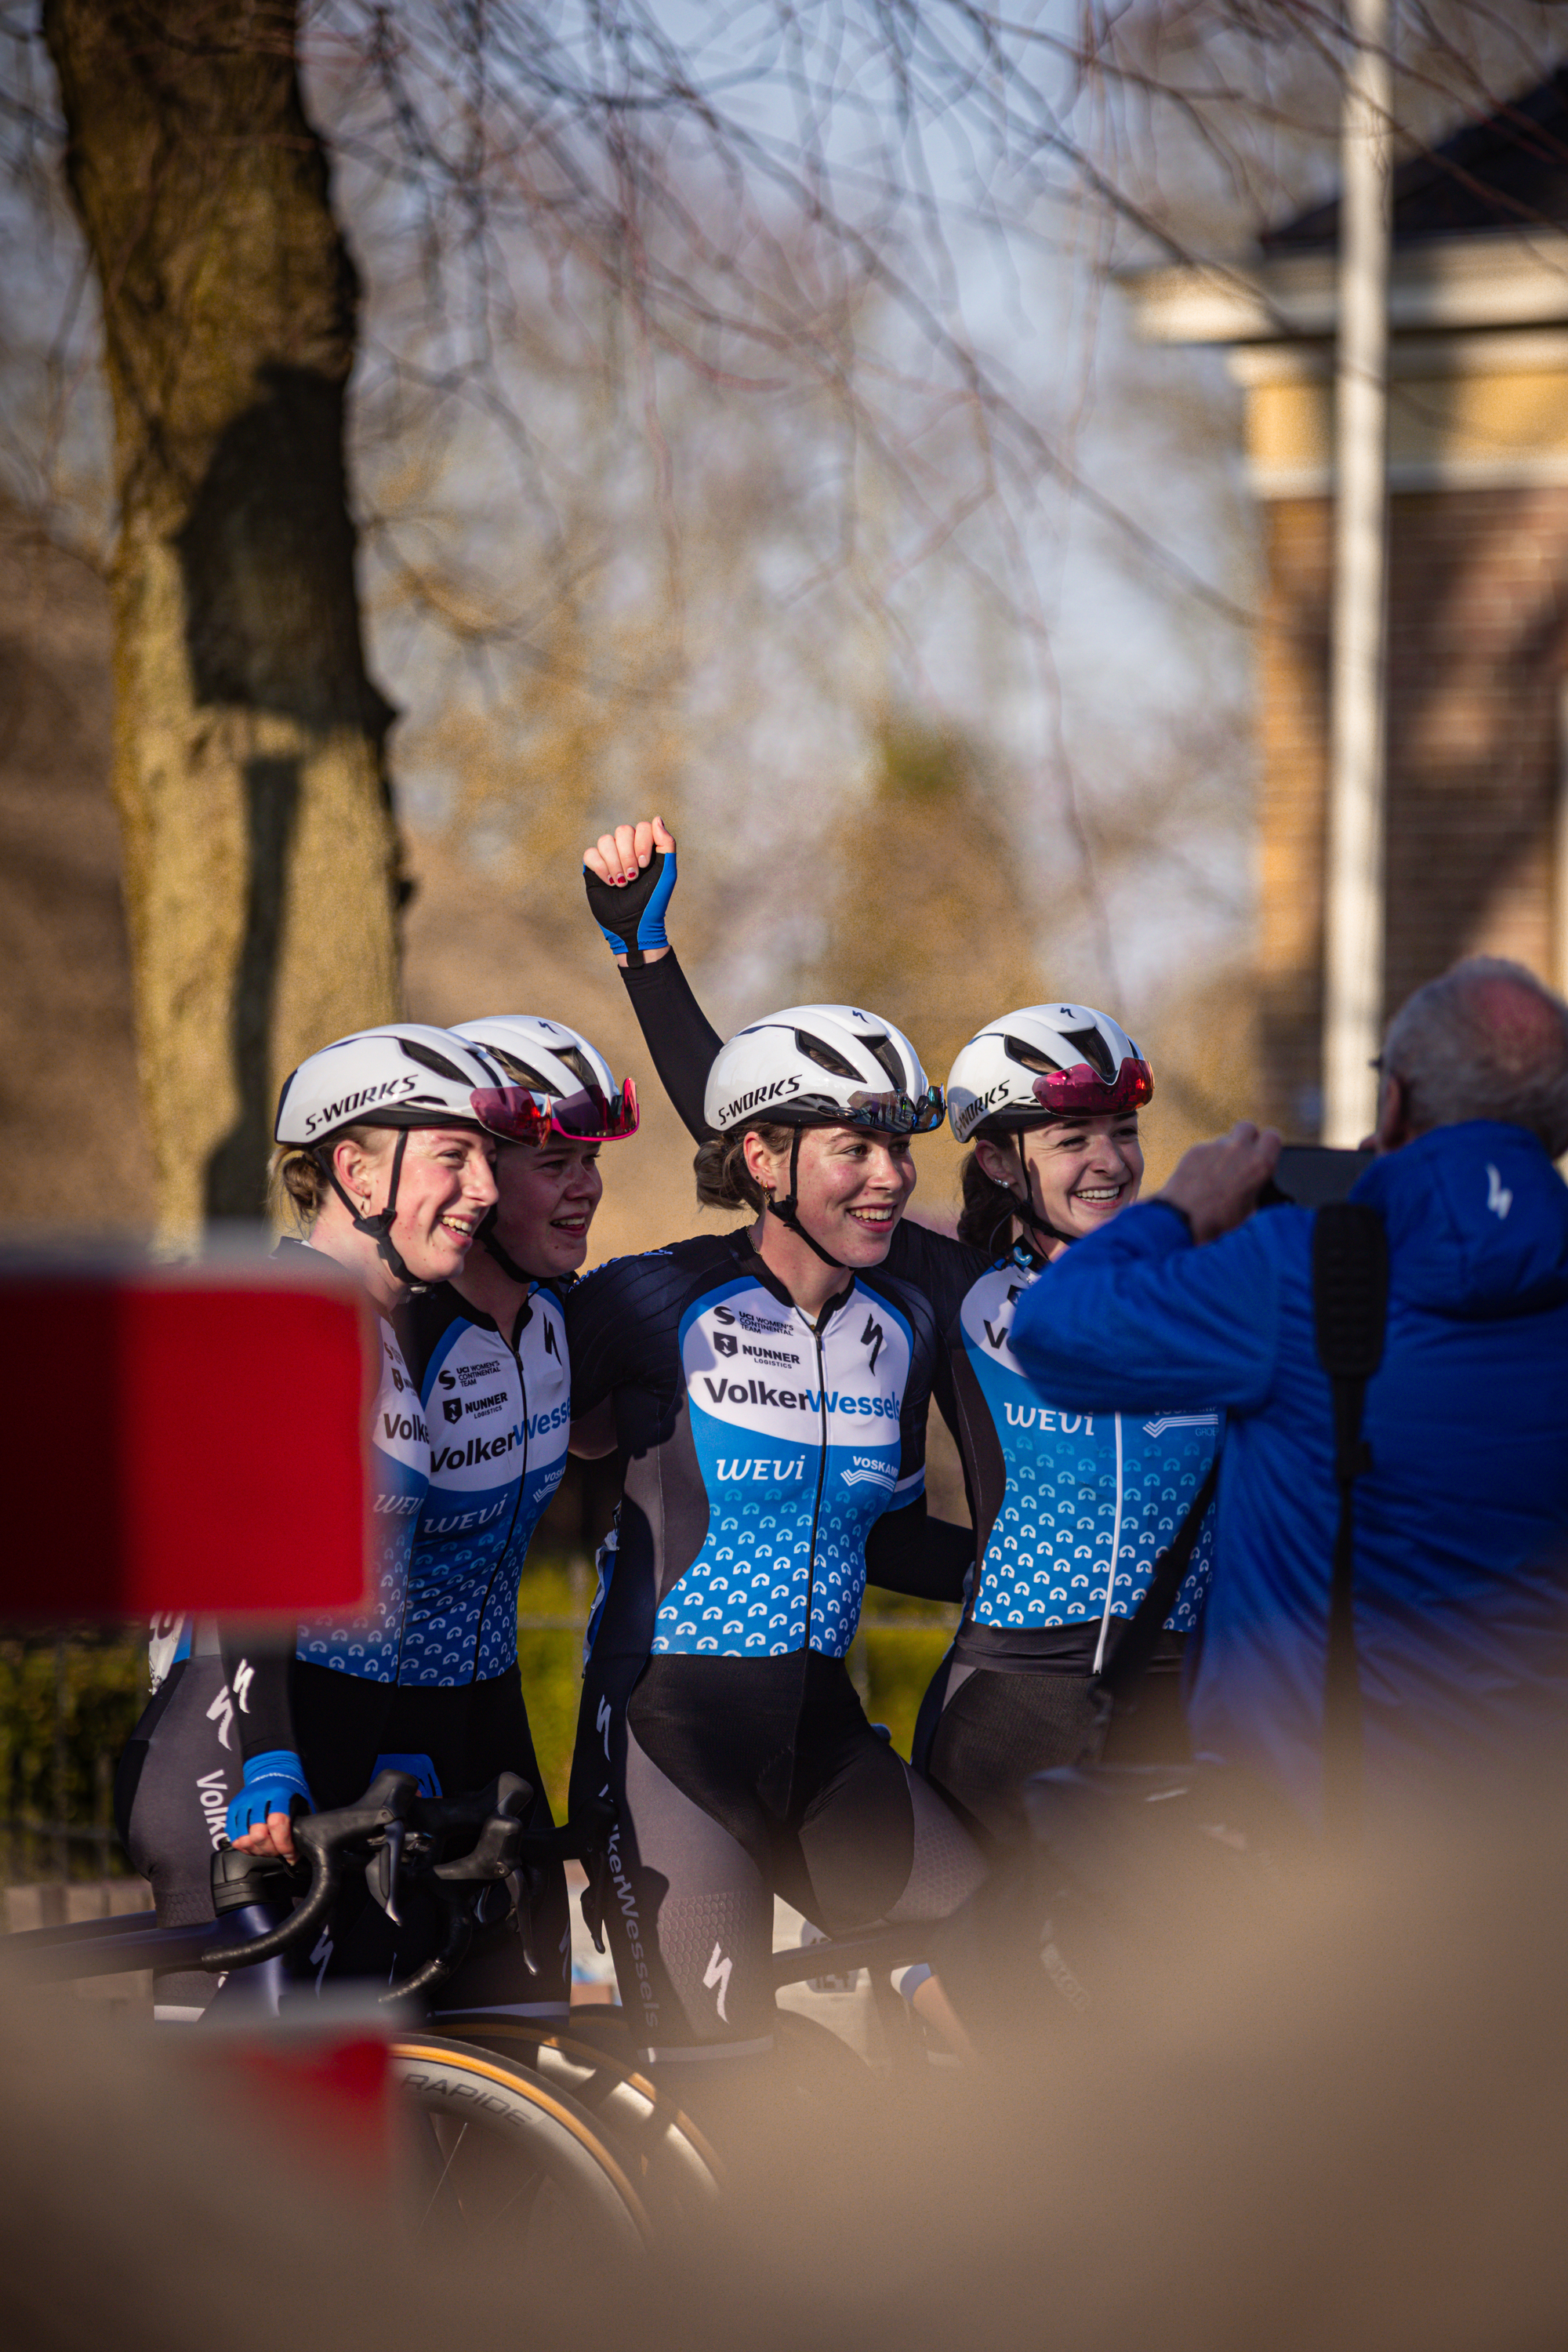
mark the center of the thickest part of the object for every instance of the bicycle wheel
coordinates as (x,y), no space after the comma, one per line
(506,2160)
(671,2165)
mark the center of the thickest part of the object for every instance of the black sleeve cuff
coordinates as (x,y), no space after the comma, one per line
(678,1035)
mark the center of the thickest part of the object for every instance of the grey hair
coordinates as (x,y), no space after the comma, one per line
(1486,1041)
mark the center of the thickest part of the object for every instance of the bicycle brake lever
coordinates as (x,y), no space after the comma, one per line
(495,1854)
(390,1864)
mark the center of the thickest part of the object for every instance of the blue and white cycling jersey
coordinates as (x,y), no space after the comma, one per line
(369,1645)
(797,1440)
(1084,1502)
(1070,1507)
(761,1454)
(500,1414)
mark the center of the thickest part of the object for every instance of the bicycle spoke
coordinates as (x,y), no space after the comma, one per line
(445,2172)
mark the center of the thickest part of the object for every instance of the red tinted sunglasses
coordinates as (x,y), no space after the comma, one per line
(518,1116)
(1082,1093)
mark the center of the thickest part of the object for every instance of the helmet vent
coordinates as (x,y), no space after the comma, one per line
(1030,1057)
(519,1070)
(577,1062)
(1092,1046)
(882,1047)
(438,1064)
(1079,1044)
(824,1055)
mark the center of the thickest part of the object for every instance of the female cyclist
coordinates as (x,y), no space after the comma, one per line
(1070,1509)
(488,1352)
(767,1392)
(386,1148)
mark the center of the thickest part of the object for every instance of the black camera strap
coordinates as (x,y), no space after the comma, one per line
(1349,1311)
(1129,1662)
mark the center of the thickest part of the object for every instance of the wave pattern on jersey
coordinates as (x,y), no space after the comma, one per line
(498,1428)
(367,1644)
(1047,1559)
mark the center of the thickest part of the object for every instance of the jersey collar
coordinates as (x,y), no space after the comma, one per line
(763,1273)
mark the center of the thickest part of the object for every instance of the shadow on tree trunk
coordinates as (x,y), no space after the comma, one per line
(234,1185)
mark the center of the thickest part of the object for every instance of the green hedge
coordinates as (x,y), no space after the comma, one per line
(69,1702)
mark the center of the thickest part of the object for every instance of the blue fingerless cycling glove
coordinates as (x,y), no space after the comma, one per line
(273,1781)
(632,917)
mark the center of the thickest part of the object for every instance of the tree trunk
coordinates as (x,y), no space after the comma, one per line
(261,860)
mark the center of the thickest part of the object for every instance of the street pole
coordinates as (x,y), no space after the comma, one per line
(1354,912)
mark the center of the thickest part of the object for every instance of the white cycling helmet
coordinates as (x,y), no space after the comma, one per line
(561,1065)
(1045,1061)
(404,1075)
(821,1066)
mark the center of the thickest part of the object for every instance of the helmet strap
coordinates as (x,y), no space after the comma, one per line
(787,1211)
(1025,1210)
(379,1226)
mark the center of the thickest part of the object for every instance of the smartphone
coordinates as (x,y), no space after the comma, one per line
(1311,1174)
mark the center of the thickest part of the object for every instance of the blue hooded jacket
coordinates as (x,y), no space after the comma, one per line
(1461,1524)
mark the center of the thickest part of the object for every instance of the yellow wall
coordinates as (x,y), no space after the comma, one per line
(1470,419)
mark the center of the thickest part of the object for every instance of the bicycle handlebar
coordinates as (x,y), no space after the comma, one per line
(392,1797)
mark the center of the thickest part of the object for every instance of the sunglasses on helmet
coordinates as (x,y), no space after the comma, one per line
(900,1114)
(518,1116)
(1080,1092)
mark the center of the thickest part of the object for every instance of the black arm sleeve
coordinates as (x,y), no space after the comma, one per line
(908,1551)
(677,1034)
(257,1663)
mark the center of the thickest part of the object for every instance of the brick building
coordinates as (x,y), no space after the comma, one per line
(1478,646)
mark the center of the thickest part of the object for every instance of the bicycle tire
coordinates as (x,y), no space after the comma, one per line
(673,2166)
(506,2159)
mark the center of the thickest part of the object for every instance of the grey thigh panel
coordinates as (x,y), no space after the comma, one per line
(702,1911)
(947,1866)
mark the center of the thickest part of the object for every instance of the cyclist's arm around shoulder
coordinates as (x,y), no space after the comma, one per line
(910,1552)
(906,1550)
(620,1334)
(937,1263)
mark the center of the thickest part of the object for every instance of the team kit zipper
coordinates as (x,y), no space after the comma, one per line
(816,1331)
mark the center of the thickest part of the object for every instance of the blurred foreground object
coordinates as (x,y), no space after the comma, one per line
(194,1439)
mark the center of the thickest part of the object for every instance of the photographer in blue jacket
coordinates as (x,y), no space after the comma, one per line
(1460,1525)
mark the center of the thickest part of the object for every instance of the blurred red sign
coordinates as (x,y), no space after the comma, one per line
(185,1438)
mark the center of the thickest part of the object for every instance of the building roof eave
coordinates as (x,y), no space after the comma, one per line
(1502,278)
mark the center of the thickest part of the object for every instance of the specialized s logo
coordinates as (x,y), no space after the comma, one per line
(872,1337)
(221,1712)
(244,1675)
(718,1973)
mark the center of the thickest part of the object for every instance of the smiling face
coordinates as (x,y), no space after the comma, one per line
(852,1187)
(444,1186)
(1082,1171)
(548,1196)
